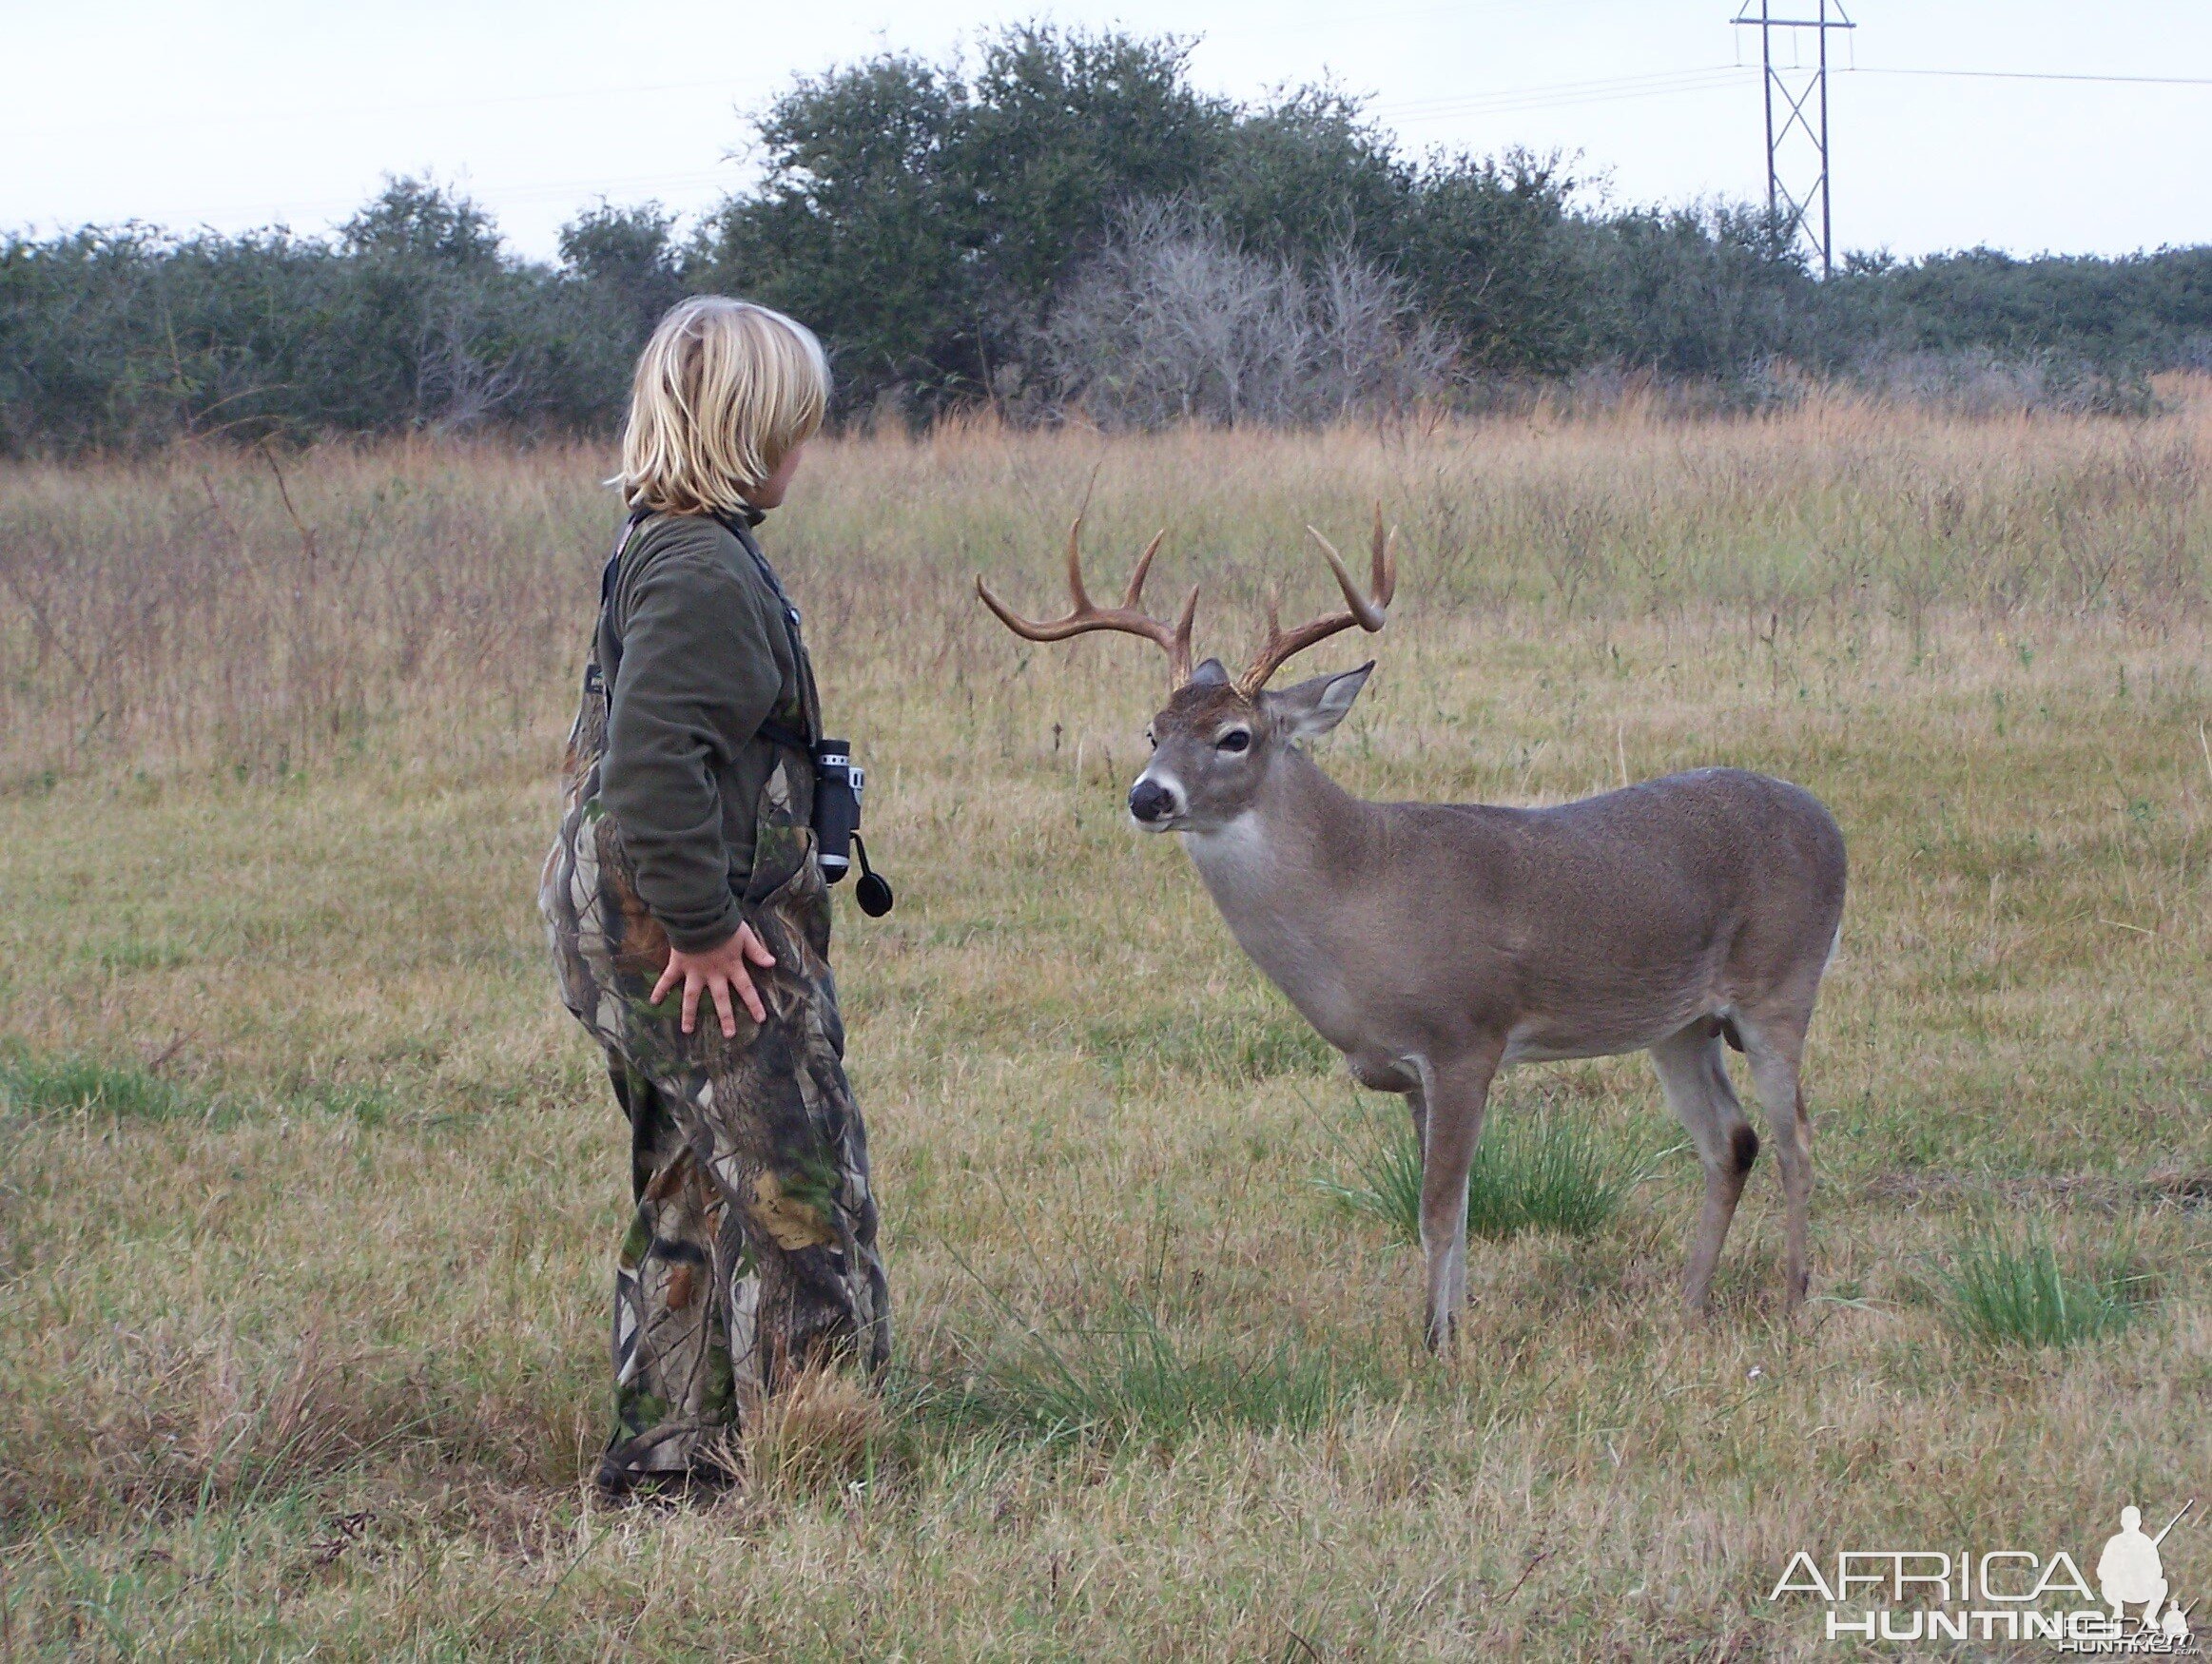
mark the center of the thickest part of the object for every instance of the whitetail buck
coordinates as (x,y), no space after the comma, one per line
(1435,943)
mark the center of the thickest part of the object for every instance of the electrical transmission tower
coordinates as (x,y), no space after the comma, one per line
(1798,149)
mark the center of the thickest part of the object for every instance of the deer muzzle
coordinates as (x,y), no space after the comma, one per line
(1153,803)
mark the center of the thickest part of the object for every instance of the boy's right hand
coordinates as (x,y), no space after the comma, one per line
(719,970)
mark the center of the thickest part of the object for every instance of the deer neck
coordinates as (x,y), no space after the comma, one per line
(1284,874)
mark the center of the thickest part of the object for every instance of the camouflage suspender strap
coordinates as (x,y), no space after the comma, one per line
(775,732)
(597,678)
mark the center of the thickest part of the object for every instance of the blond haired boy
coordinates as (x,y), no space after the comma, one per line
(686,869)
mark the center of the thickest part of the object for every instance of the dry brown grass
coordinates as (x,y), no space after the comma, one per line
(301,1325)
(265,611)
(824,1432)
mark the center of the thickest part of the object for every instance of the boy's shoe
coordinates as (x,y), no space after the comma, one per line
(623,1487)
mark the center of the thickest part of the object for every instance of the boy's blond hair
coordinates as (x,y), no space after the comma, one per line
(722,391)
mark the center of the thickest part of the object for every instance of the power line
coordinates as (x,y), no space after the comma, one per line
(1561,94)
(1567,87)
(1457,11)
(2035,75)
(1516,107)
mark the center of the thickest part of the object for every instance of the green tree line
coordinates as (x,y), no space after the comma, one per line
(961,232)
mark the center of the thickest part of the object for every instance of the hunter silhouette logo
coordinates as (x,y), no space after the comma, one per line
(2129,1573)
(2005,1594)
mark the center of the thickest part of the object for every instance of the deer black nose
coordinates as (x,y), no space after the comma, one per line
(1149,800)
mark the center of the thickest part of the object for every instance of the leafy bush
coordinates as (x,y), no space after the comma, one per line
(411,319)
(1703,292)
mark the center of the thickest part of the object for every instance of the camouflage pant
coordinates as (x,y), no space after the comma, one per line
(752,1248)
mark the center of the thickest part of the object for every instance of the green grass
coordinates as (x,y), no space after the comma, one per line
(1531,1173)
(1132,1379)
(1235,1045)
(372,1106)
(71,1085)
(57,1084)
(2015,1292)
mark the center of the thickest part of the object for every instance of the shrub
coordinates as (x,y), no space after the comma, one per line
(1175,321)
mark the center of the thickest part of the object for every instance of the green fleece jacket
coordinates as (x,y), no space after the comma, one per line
(704,658)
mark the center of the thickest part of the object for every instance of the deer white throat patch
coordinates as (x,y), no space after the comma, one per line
(1230,849)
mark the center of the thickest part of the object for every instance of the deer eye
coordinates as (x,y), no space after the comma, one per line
(1235,740)
(1152,739)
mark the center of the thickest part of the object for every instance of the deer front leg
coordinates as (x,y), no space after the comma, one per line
(1454,1097)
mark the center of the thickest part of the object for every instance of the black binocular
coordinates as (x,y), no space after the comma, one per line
(838,784)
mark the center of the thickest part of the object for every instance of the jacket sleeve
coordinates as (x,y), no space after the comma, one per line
(698,677)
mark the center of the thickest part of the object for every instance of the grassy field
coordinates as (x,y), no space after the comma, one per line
(310,1189)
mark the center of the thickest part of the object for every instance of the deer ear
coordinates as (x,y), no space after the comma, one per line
(1209,674)
(1314,706)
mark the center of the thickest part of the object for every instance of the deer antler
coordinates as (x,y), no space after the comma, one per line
(1368,612)
(1128,617)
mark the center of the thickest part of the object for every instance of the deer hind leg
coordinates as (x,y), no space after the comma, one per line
(1696,1081)
(1776,1047)
(1453,1098)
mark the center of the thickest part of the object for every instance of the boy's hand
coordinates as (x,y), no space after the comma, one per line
(719,970)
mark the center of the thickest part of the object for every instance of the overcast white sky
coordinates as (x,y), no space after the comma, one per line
(237,114)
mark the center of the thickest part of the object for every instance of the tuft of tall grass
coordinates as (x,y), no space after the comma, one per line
(65,1086)
(821,1432)
(1530,1174)
(2013,1291)
(1129,1378)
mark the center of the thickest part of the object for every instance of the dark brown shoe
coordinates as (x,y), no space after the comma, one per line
(624,1487)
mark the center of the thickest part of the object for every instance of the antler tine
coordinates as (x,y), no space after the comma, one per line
(1179,641)
(1075,591)
(1179,649)
(1006,615)
(1084,614)
(1134,596)
(1368,612)
(1386,559)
